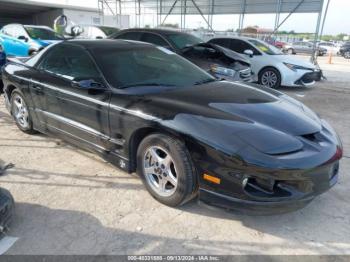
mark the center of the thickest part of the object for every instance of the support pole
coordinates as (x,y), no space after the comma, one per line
(278,12)
(185,13)
(139,14)
(314,55)
(324,17)
(241,16)
(285,19)
(201,13)
(171,9)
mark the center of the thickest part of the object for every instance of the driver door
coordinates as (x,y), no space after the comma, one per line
(83,114)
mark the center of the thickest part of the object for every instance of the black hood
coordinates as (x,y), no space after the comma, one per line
(269,120)
(239,102)
(227,52)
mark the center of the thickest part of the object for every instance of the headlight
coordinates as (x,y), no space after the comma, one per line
(296,67)
(222,70)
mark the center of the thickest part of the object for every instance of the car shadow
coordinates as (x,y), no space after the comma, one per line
(43,230)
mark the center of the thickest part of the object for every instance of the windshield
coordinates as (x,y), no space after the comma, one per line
(153,66)
(42,33)
(181,41)
(265,47)
(109,30)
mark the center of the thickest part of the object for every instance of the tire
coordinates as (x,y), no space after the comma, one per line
(159,175)
(21,113)
(347,54)
(270,77)
(290,51)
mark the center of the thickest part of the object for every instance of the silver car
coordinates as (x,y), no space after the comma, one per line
(304,48)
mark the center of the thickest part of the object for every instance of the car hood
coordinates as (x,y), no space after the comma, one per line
(295,61)
(45,43)
(221,112)
(227,52)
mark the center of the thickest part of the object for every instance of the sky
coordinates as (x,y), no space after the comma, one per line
(338,19)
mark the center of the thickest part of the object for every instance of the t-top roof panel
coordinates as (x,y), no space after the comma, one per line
(234,6)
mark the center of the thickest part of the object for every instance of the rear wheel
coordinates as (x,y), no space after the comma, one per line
(166,169)
(290,51)
(270,77)
(20,112)
(347,54)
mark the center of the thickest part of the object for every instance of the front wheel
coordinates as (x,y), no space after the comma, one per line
(166,169)
(270,77)
(20,112)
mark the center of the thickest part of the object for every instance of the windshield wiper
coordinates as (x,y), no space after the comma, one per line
(144,84)
(205,81)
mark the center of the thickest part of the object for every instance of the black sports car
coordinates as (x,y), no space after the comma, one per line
(185,133)
(216,60)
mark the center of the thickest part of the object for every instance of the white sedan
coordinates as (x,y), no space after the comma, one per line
(272,68)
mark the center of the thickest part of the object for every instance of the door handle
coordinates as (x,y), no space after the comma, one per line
(36,87)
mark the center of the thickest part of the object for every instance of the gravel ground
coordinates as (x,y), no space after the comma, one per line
(72,202)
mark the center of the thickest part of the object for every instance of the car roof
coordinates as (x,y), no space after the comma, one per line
(107,26)
(154,30)
(95,44)
(235,37)
(38,26)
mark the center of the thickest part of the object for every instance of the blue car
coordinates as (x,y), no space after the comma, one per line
(2,62)
(26,40)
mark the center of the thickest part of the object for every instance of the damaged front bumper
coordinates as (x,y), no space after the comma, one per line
(309,78)
(285,196)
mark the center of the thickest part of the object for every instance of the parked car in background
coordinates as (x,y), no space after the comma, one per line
(273,68)
(216,60)
(95,31)
(279,44)
(304,48)
(2,63)
(26,40)
(331,47)
(184,132)
(345,50)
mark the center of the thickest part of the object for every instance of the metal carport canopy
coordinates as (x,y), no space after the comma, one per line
(217,7)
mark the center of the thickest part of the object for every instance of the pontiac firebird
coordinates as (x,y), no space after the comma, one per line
(185,133)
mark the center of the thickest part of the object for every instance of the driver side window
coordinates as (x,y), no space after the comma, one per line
(240,46)
(74,64)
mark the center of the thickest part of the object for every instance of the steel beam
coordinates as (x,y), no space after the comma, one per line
(201,13)
(314,55)
(285,19)
(241,16)
(170,10)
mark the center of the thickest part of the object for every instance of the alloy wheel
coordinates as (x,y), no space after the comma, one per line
(347,55)
(160,172)
(20,111)
(269,79)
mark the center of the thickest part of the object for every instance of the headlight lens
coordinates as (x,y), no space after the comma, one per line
(296,67)
(222,70)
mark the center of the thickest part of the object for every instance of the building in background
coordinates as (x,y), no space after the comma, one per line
(41,13)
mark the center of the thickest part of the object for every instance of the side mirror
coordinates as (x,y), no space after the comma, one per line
(23,38)
(76,30)
(249,52)
(88,84)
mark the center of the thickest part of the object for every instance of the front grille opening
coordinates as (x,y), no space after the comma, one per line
(335,170)
(311,137)
(263,188)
